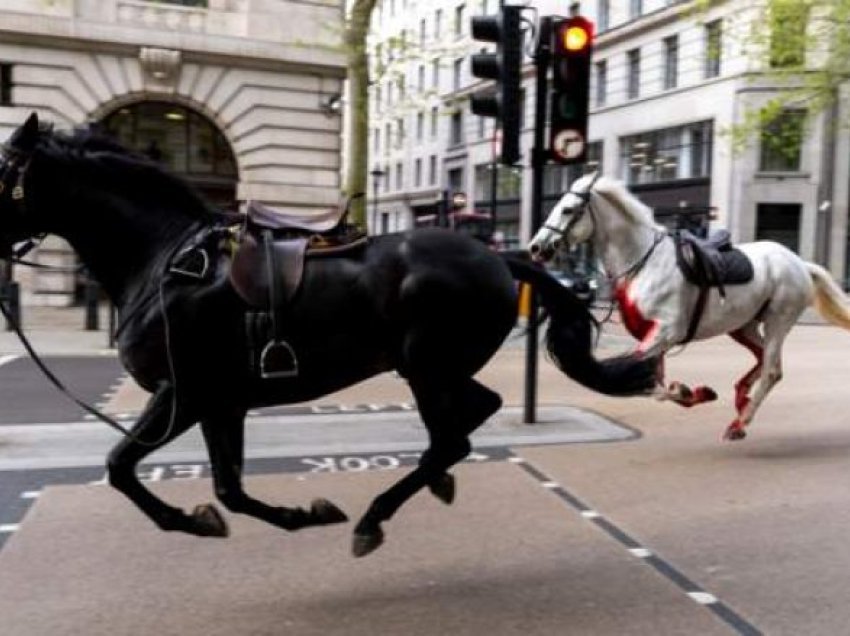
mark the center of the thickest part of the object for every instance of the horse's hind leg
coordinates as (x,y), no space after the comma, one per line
(749,337)
(776,328)
(224,434)
(162,421)
(450,414)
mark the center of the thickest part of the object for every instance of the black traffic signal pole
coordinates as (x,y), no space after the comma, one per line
(542,60)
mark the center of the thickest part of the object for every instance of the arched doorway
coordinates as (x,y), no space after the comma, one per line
(185,141)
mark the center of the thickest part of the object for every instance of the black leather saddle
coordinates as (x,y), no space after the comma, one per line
(268,268)
(712,261)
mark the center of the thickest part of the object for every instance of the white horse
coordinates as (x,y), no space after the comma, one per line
(662,309)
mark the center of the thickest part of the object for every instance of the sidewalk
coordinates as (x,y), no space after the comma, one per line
(61,331)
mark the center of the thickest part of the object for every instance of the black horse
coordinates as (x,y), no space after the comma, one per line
(433,305)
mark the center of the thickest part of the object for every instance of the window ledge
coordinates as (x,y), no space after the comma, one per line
(781,174)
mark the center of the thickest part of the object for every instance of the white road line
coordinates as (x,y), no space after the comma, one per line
(9,527)
(7,359)
(516,460)
(703,598)
(590,514)
(30,494)
(550,484)
(641,553)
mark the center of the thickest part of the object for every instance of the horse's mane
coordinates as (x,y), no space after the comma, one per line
(616,193)
(134,170)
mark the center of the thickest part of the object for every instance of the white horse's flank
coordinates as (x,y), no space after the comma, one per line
(657,303)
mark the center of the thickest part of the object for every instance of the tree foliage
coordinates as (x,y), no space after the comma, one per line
(798,48)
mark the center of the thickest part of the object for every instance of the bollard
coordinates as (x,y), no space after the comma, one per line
(12,297)
(91,295)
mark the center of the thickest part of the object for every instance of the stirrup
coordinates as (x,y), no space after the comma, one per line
(278,360)
(193,262)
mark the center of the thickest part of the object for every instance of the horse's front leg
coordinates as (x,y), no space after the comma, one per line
(162,421)
(224,434)
(658,339)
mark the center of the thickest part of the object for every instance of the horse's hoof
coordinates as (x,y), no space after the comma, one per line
(363,544)
(734,433)
(444,488)
(323,512)
(208,522)
(705,394)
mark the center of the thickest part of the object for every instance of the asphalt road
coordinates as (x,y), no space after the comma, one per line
(668,532)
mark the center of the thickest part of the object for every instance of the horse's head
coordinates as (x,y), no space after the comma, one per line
(570,220)
(15,157)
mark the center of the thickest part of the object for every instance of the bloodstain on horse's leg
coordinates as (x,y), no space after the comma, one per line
(743,386)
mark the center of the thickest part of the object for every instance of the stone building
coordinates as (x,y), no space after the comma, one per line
(241,97)
(668,80)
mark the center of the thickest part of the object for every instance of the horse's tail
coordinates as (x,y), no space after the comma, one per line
(830,301)
(570,338)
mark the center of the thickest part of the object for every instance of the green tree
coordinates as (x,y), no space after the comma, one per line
(799,48)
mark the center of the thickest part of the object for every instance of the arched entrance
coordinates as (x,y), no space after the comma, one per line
(182,139)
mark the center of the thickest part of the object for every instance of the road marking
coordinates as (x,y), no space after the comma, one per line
(9,527)
(662,567)
(7,359)
(30,494)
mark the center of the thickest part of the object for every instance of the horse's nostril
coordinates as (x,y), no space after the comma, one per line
(556,245)
(534,248)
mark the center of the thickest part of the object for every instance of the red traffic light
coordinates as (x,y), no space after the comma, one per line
(574,35)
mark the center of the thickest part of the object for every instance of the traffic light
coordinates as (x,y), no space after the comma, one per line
(570,89)
(504,67)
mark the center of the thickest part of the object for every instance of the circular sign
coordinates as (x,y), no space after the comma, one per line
(568,144)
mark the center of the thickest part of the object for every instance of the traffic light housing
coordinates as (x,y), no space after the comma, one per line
(571,51)
(504,66)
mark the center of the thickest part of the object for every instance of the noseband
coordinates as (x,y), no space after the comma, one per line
(579,212)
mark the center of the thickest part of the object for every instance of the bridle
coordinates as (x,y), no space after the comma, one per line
(19,162)
(578,212)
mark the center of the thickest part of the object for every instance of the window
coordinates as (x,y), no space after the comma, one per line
(682,152)
(633,90)
(574,10)
(435,118)
(635,9)
(432,169)
(779,222)
(601,82)
(399,176)
(377,98)
(671,62)
(438,23)
(603,15)
(421,79)
(788,22)
(388,138)
(420,126)
(417,173)
(423,32)
(781,142)
(713,48)
(5,84)
(457,74)
(482,127)
(435,73)
(188,3)
(460,11)
(457,128)
(377,140)
(399,142)
(456,180)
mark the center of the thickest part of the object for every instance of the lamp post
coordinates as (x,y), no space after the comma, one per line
(376,173)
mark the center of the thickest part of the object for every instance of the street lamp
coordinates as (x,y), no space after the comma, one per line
(376,173)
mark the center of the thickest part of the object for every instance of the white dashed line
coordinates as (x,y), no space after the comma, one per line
(641,553)
(550,484)
(590,514)
(30,494)
(8,527)
(516,460)
(703,598)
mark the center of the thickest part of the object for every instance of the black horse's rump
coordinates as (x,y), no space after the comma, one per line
(431,304)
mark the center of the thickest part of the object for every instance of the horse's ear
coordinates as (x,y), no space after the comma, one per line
(26,136)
